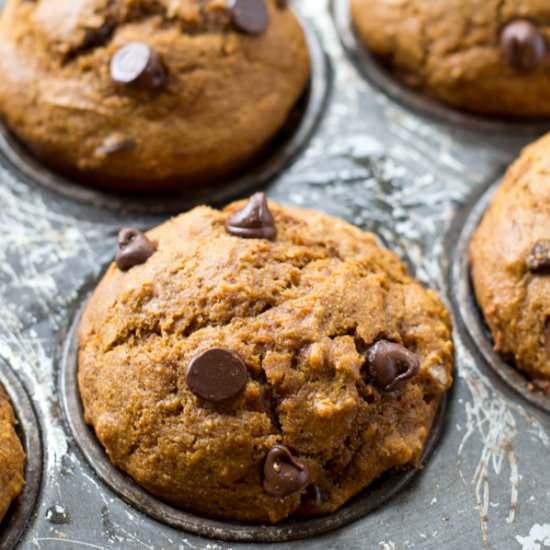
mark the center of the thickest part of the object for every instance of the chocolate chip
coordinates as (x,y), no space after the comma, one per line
(137,64)
(254,221)
(249,16)
(390,365)
(283,473)
(282,4)
(134,248)
(522,45)
(216,375)
(538,259)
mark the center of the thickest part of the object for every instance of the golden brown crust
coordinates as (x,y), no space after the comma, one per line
(227,95)
(302,312)
(449,49)
(515,301)
(12,457)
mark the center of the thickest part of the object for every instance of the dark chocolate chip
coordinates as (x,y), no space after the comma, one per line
(254,221)
(390,365)
(134,248)
(137,64)
(282,4)
(283,473)
(249,16)
(216,375)
(539,258)
(522,45)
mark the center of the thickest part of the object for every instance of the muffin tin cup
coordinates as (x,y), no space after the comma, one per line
(281,152)
(300,528)
(17,519)
(471,317)
(382,78)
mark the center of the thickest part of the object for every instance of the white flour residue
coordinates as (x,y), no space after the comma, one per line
(495,422)
(537,539)
(38,245)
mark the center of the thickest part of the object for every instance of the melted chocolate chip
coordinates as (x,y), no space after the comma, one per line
(137,64)
(539,258)
(134,248)
(249,16)
(216,375)
(522,45)
(283,473)
(390,365)
(254,221)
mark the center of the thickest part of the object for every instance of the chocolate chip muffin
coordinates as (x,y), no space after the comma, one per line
(146,95)
(510,259)
(261,361)
(487,57)
(12,457)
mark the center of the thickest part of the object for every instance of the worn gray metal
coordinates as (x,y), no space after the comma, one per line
(385,168)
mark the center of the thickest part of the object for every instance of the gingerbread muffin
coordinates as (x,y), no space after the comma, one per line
(12,457)
(261,361)
(510,259)
(489,57)
(149,95)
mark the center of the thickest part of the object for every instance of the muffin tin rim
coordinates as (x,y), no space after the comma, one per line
(18,517)
(275,159)
(229,531)
(373,71)
(470,315)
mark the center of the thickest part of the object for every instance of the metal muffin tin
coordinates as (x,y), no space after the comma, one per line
(471,315)
(282,150)
(381,77)
(376,161)
(18,517)
(140,499)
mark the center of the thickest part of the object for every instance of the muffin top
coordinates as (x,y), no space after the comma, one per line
(261,361)
(149,94)
(12,457)
(510,258)
(488,57)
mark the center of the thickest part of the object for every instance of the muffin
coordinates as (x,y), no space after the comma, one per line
(486,57)
(12,457)
(149,95)
(510,264)
(261,361)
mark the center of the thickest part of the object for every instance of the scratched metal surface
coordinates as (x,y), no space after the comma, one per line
(384,169)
